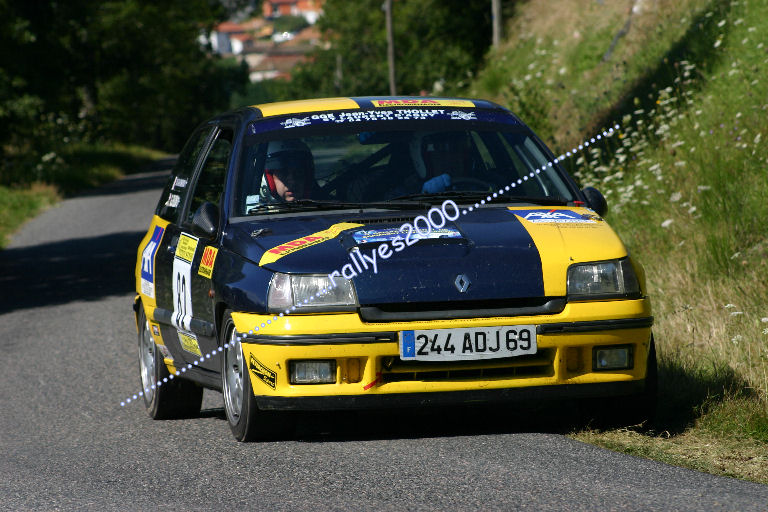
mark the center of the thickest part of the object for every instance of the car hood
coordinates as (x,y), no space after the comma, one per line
(488,254)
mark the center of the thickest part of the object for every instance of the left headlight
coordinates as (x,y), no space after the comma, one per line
(306,292)
(603,279)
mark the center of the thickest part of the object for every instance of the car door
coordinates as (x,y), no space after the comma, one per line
(172,207)
(195,257)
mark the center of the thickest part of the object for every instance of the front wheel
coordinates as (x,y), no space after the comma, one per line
(245,419)
(172,398)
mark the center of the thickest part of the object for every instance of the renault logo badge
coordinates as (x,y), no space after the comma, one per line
(462,282)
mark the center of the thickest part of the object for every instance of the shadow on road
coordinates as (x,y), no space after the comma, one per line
(81,268)
(66,271)
(339,426)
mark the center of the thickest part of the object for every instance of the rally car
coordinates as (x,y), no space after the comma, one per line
(383,252)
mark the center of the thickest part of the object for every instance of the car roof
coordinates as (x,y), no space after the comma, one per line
(363,102)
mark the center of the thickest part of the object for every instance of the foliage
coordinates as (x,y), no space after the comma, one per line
(130,71)
(685,183)
(439,44)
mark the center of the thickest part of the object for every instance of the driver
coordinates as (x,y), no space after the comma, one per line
(288,172)
(439,156)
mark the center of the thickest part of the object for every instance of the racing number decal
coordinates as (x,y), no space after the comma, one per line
(182,280)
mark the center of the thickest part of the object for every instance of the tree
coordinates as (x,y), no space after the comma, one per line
(128,70)
(436,41)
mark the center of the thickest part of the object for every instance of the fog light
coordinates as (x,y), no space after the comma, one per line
(612,358)
(313,372)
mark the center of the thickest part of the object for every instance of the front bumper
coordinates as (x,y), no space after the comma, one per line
(370,373)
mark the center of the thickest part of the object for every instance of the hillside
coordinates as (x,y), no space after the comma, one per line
(686,184)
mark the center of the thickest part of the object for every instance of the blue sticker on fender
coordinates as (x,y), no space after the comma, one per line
(148,263)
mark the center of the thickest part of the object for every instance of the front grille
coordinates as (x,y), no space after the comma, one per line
(408,311)
(540,364)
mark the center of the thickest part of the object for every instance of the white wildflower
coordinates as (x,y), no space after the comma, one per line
(675,197)
(729,305)
(735,255)
(718,43)
(721,23)
(666,223)
(757,138)
(736,313)
(736,339)
(764,319)
(692,209)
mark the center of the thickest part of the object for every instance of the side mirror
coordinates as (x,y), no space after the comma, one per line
(205,222)
(595,200)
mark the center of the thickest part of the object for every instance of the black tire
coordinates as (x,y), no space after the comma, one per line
(624,411)
(175,397)
(246,421)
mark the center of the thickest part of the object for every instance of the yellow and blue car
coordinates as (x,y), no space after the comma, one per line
(376,252)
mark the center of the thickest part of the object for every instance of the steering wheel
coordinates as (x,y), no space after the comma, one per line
(471,184)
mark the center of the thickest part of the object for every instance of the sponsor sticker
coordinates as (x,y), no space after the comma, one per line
(425,102)
(287,248)
(464,116)
(166,353)
(155,330)
(186,248)
(555,216)
(179,183)
(188,342)
(369,236)
(207,261)
(148,263)
(295,122)
(173,201)
(263,373)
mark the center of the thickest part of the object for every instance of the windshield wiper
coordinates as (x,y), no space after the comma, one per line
(321,204)
(463,194)
(547,201)
(475,195)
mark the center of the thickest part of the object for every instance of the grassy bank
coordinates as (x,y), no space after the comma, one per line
(80,167)
(686,186)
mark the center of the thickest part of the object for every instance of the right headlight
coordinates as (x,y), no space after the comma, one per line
(306,292)
(603,279)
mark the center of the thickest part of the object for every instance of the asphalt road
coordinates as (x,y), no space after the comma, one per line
(68,357)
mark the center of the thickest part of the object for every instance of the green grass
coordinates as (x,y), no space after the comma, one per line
(18,205)
(91,165)
(685,181)
(79,167)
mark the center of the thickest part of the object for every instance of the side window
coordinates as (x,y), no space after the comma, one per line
(172,199)
(210,182)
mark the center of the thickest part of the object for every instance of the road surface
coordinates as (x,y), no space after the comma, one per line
(69,357)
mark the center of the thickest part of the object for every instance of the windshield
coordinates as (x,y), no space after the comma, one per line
(326,160)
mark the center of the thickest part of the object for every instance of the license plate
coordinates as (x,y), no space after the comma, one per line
(467,344)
